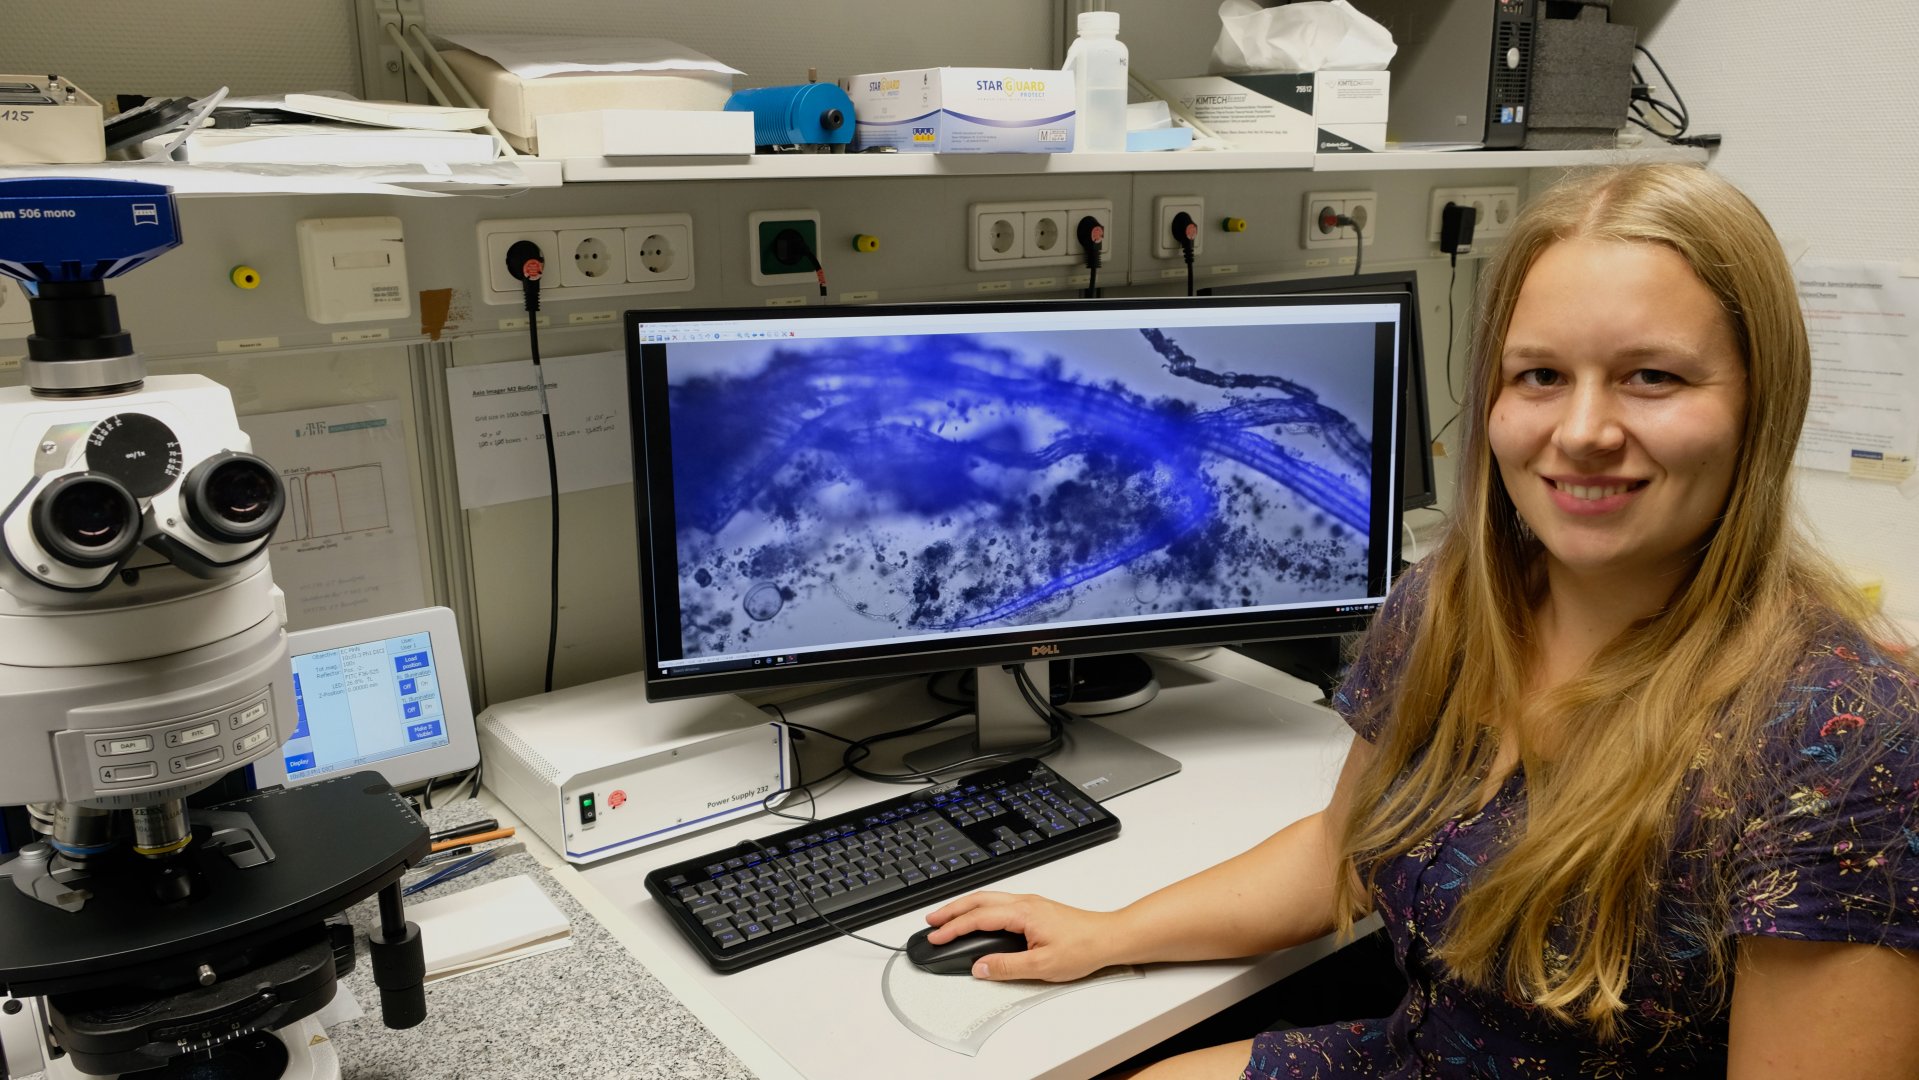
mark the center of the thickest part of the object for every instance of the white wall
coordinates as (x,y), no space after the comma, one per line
(1817,105)
(135,46)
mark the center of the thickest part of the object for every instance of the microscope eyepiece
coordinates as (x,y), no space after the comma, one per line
(86,520)
(233,498)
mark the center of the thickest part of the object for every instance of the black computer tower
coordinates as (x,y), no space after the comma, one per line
(1463,72)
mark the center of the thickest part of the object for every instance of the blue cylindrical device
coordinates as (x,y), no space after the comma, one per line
(807,114)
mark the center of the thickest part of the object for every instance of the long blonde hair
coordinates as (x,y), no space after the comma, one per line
(1661,711)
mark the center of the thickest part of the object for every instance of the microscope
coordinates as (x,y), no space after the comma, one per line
(143,657)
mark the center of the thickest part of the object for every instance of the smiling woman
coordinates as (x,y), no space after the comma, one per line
(1634,789)
(1615,690)
(1618,415)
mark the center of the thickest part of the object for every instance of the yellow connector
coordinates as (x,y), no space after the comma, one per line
(866,245)
(1234,224)
(246,277)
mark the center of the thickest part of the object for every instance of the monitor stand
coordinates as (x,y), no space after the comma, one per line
(1104,685)
(1101,763)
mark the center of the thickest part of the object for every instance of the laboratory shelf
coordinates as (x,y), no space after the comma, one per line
(842,166)
(531,172)
(1415,160)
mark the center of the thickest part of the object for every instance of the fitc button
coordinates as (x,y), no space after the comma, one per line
(187,736)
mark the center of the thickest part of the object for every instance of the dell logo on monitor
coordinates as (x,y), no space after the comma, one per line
(1046,650)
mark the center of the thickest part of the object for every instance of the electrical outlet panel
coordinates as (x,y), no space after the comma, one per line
(1361,206)
(615,255)
(1495,209)
(1166,210)
(763,228)
(1022,234)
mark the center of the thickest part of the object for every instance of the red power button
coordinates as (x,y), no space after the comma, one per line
(616,800)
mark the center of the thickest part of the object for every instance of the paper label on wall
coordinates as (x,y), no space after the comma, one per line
(1865,365)
(345,548)
(498,441)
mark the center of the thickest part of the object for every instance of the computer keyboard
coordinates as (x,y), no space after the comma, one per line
(737,907)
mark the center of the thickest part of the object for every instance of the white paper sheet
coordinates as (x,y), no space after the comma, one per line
(345,548)
(531,56)
(498,442)
(1864,415)
(489,924)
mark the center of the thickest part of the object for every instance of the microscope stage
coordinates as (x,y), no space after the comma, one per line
(335,843)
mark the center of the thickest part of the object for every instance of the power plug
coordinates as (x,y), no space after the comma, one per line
(1456,224)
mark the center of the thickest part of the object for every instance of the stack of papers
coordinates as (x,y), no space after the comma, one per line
(486,925)
(393,114)
(355,133)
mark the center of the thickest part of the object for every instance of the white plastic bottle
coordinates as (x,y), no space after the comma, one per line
(1098,63)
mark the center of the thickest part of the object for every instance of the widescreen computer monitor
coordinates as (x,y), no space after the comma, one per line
(829,493)
(1417,485)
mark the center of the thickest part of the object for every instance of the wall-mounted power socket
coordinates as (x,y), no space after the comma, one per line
(615,255)
(1317,229)
(1495,207)
(1166,211)
(770,262)
(1022,234)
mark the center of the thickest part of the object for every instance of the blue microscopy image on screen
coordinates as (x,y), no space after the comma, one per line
(859,489)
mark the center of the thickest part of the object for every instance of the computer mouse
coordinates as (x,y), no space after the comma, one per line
(956,956)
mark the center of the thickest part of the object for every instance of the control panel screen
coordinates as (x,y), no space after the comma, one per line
(364,703)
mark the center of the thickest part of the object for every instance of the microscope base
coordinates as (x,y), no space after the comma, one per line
(336,842)
(304,1047)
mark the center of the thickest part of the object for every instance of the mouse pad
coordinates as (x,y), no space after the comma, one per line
(959,1012)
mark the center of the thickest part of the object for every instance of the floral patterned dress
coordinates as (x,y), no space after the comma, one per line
(1831,853)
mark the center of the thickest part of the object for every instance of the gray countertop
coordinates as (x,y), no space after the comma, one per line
(590,1010)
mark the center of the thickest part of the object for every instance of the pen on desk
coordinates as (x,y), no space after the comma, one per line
(446,856)
(464,866)
(475,838)
(482,825)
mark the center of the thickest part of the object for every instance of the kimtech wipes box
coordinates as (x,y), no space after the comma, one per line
(964,110)
(1328,112)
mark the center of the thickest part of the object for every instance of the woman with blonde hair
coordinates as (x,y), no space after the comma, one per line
(1634,788)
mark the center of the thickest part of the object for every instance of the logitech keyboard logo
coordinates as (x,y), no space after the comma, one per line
(1046,650)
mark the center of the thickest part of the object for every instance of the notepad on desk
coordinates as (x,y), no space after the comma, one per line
(489,924)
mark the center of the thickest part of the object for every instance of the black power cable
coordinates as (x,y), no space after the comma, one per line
(1186,235)
(524,262)
(790,247)
(1330,219)
(1674,115)
(1091,235)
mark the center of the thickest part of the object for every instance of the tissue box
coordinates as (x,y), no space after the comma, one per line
(1328,112)
(516,104)
(964,110)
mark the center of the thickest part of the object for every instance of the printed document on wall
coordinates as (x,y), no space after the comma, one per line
(345,548)
(499,446)
(1864,416)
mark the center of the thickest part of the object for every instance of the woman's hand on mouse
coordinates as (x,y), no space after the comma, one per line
(1062,943)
